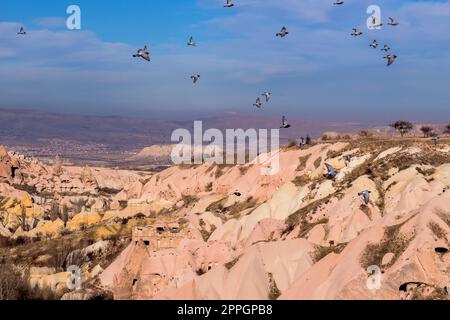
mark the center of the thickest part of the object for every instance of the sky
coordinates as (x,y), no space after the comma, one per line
(318,71)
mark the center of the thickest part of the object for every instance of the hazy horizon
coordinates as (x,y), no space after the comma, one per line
(190,118)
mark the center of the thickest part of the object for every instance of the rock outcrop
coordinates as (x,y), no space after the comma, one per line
(6,166)
(234,232)
(297,235)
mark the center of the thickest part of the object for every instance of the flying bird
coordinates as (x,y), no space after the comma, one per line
(258,103)
(22,31)
(374,44)
(356,32)
(283,33)
(390,59)
(142,53)
(267,95)
(338,2)
(386,48)
(331,173)
(284,123)
(393,22)
(366,196)
(191,42)
(229,4)
(195,78)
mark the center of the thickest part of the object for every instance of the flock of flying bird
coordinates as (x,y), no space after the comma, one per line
(376,24)
(145,54)
(267,95)
(331,172)
(390,57)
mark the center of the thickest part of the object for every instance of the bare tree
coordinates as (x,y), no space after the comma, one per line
(65,215)
(402,126)
(11,283)
(24,217)
(365,134)
(427,131)
(54,211)
(60,252)
(308,140)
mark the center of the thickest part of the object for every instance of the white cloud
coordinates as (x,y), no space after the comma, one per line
(51,22)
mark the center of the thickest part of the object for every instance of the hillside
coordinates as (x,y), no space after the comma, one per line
(229,232)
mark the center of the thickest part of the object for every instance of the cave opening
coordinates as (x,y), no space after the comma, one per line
(13,171)
(441,250)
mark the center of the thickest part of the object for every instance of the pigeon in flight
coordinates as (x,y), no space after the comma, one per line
(195,78)
(284,123)
(390,59)
(22,31)
(229,4)
(267,95)
(436,139)
(258,103)
(331,173)
(347,158)
(356,32)
(366,196)
(142,53)
(374,44)
(338,2)
(191,42)
(283,33)
(386,48)
(392,22)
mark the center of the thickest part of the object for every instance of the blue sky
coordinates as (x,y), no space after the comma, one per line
(319,70)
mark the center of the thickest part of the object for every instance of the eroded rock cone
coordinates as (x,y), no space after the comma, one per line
(87,177)
(6,166)
(57,166)
(3,151)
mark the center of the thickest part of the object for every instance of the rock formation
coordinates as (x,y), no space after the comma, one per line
(319,235)
(230,232)
(6,167)
(57,169)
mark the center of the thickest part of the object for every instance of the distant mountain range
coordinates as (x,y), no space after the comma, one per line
(46,134)
(38,129)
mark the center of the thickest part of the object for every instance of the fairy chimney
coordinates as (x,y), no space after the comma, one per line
(57,166)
